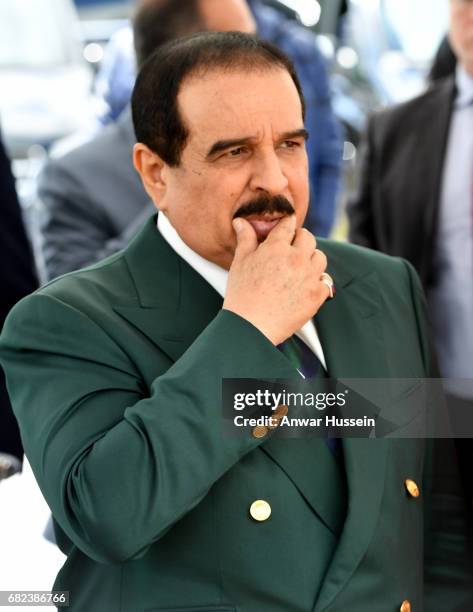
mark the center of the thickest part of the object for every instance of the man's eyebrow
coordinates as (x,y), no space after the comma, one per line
(302,133)
(223,145)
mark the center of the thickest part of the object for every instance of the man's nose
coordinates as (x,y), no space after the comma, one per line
(268,174)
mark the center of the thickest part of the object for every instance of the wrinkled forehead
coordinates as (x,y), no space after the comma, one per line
(226,103)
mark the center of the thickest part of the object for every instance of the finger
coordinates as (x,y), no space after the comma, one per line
(329,290)
(319,260)
(304,240)
(284,230)
(247,241)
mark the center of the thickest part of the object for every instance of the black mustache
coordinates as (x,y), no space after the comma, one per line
(265,205)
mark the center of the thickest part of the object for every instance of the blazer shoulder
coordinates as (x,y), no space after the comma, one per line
(96,152)
(103,284)
(412,111)
(357,260)
(395,277)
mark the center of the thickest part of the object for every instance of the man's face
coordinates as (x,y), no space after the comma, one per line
(227,15)
(461,32)
(245,156)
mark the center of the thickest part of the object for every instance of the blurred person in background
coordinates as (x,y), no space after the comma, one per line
(445,62)
(17,279)
(116,78)
(324,144)
(415,200)
(93,198)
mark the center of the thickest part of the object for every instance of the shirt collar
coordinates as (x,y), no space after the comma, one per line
(213,274)
(464,83)
(217,278)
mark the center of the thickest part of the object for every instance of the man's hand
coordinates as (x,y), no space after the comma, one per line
(276,285)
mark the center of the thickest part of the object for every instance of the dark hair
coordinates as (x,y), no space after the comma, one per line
(157,22)
(155,111)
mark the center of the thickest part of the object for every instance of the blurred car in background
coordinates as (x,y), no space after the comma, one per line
(379,51)
(45,83)
(100,19)
(390,44)
(104,8)
(46,89)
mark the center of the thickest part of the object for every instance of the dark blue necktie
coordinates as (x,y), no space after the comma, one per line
(308,364)
(301,357)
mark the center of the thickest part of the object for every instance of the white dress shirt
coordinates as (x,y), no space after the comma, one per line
(217,278)
(451,300)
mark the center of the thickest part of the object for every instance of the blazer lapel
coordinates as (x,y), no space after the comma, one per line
(312,467)
(351,333)
(365,463)
(349,326)
(174,303)
(432,148)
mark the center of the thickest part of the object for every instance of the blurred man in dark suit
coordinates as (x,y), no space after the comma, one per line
(416,197)
(17,279)
(416,200)
(444,62)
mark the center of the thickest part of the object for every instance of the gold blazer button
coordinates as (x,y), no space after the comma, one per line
(277,416)
(412,488)
(260,510)
(259,431)
(406,605)
(281,411)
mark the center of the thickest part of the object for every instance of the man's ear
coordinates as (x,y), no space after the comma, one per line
(150,167)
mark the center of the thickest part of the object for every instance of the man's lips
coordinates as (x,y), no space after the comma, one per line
(263,224)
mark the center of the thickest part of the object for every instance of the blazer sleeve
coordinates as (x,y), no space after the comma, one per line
(119,464)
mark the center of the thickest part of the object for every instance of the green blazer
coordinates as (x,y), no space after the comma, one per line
(115,377)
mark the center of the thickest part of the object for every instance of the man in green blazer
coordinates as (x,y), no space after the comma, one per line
(115,371)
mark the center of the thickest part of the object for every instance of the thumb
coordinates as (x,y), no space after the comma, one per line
(246,237)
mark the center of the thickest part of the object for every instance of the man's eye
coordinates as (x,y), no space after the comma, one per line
(237,152)
(290,144)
